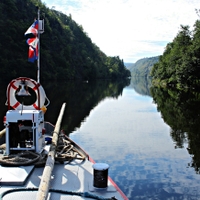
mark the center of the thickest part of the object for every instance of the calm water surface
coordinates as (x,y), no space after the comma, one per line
(126,131)
(130,135)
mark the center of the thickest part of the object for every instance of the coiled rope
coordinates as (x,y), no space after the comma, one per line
(23,158)
(65,153)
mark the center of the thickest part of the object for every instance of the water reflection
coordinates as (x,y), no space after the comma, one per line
(181,111)
(131,136)
(141,85)
(80,97)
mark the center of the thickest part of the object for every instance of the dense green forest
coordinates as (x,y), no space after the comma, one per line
(179,65)
(66,50)
(143,66)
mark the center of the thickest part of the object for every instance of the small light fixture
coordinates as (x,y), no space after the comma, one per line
(23,90)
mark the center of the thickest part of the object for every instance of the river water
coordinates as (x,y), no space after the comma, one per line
(130,135)
(149,137)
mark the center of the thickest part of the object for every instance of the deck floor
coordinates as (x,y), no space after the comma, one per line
(70,177)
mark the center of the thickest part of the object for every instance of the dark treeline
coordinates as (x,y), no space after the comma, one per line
(179,65)
(66,50)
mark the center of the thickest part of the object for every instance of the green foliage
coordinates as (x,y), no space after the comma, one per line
(180,63)
(66,50)
(116,67)
(143,66)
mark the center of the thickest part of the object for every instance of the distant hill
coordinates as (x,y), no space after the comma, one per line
(143,66)
(128,65)
(67,52)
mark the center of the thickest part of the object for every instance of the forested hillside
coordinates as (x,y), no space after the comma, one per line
(66,50)
(180,63)
(143,66)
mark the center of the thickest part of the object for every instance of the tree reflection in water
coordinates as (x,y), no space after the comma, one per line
(181,111)
(80,97)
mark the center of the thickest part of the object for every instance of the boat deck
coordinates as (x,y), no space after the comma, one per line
(74,177)
(68,181)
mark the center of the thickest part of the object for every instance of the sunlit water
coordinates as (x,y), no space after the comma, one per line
(130,135)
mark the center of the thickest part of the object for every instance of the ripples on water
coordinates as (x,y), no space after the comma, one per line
(129,134)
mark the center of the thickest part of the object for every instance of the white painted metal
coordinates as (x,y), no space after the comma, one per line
(37,119)
(14,175)
(77,177)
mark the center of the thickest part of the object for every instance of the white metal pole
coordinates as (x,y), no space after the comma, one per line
(38,60)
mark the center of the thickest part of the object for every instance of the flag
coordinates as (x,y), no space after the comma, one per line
(32,41)
(32,54)
(32,30)
(33,49)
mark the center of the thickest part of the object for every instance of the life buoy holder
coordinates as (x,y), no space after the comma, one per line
(35,86)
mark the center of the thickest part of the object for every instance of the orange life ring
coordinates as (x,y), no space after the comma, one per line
(38,89)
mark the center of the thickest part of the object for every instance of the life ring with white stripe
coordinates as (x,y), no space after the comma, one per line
(35,86)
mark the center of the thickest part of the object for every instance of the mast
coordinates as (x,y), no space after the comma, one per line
(38,60)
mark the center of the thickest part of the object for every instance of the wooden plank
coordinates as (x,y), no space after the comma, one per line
(46,176)
(2,133)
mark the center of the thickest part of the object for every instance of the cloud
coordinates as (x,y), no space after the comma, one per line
(129,28)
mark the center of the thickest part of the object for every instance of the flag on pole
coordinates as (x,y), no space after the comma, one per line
(33,49)
(31,54)
(32,30)
(32,41)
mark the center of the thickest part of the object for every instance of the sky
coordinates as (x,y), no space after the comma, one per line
(130,29)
